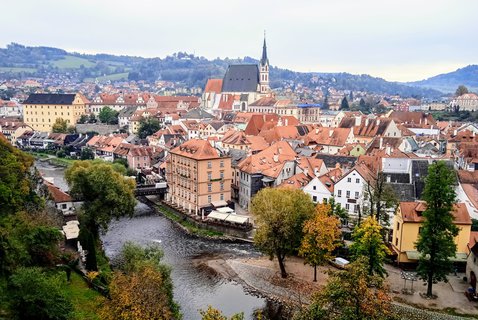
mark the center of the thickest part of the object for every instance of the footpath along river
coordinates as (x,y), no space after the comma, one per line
(195,287)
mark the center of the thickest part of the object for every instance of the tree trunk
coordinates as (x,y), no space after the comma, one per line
(315,273)
(430,285)
(280,258)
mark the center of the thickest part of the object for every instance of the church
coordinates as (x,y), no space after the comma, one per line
(242,84)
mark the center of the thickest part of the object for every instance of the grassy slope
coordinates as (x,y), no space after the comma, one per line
(112,77)
(85,300)
(17,69)
(71,62)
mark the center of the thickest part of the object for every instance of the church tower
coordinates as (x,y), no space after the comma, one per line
(264,70)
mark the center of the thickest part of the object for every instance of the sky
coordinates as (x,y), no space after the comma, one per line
(398,40)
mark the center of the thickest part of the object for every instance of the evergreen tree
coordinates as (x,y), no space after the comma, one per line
(436,242)
(326,103)
(344,105)
(461,90)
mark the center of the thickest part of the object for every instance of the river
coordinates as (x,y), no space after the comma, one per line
(194,287)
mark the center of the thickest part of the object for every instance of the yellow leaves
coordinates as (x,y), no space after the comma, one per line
(321,236)
(138,295)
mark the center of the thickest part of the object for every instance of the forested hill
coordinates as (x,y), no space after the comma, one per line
(448,82)
(18,61)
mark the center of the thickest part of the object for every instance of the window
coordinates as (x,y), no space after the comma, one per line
(356,194)
(221,175)
(420,230)
(314,198)
(222,164)
(209,175)
(339,193)
(209,198)
(356,207)
(396,241)
(209,165)
(324,200)
(314,187)
(398,226)
(209,187)
(347,206)
(357,180)
(349,179)
(63,205)
(222,186)
(222,196)
(348,194)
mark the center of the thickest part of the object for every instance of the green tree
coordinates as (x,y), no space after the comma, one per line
(60,126)
(17,180)
(337,210)
(280,214)
(379,197)
(213,314)
(321,237)
(351,294)
(148,126)
(87,154)
(92,118)
(35,295)
(368,242)
(461,90)
(326,103)
(105,192)
(83,119)
(344,105)
(108,116)
(436,242)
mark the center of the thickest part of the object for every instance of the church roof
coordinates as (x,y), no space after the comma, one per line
(241,78)
(264,59)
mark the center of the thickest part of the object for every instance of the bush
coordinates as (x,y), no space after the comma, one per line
(35,295)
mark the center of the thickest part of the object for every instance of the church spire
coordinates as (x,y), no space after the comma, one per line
(264,59)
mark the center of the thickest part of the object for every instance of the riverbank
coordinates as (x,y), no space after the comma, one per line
(51,159)
(262,276)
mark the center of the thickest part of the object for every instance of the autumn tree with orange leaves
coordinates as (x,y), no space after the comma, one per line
(321,237)
(350,294)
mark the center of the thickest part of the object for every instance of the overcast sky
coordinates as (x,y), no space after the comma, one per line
(402,40)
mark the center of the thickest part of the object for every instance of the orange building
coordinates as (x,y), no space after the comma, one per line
(198,175)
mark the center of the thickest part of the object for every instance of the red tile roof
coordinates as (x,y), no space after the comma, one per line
(196,149)
(213,85)
(412,212)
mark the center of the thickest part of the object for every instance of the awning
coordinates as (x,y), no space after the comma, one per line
(220,203)
(225,210)
(459,256)
(229,217)
(71,230)
(267,179)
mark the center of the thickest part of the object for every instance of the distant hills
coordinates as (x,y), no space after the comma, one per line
(448,82)
(18,61)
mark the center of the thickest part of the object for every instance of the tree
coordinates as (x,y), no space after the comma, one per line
(280,214)
(106,194)
(17,180)
(368,242)
(92,118)
(461,90)
(147,127)
(83,119)
(321,237)
(380,197)
(326,103)
(436,240)
(87,154)
(350,294)
(337,210)
(363,106)
(60,126)
(108,115)
(351,96)
(214,314)
(35,295)
(344,105)
(142,287)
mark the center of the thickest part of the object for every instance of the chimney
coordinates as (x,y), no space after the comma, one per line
(286,122)
(366,122)
(387,150)
(331,132)
(357,121)
(306,172)
(380,145)
(276,158)
(279,150)
(378,121)
(316,130)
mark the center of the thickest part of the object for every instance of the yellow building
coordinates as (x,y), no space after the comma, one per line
(198,176)
(408,222)
(41,110)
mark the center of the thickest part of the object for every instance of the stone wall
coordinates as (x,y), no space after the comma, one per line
(102,129)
